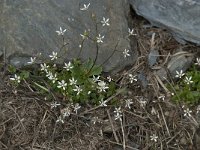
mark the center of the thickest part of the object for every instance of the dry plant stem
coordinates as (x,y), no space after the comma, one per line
(124,140)
(122,145)
(173,137)
(114,133)
(18,119)
(107,100)
(161,83)
(164,120)
(28,86)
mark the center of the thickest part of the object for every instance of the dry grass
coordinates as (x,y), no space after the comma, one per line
(28,122)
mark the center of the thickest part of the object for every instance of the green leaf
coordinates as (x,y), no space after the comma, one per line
(24,74)
(11,69)
(96,70)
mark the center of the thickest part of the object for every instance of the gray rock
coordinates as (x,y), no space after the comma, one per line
(27,27)
(181,17)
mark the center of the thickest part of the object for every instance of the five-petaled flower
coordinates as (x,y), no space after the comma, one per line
(132,78)
(85,7)
(179,74)
(54,55)
(198,61)
(154,137)
(44,67)
(187,112)
(126,53)
(103,103)
(72,81)
(76,107)
(105,21)
(32,60)
(62,84)
(61,31)
(68,66)
(128,103)
(55,104)
(77,89)
(60,119)
(131,32)
(118,113)
(16,78)
(102,86)
(188,80)
(99,39)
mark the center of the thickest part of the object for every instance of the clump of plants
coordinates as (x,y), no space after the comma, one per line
(187,89)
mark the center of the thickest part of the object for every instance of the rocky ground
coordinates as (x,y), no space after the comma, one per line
(152,122)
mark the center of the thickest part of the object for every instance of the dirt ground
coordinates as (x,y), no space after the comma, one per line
(28,122)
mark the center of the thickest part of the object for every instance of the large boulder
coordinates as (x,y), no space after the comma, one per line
(27,27)
(181,17)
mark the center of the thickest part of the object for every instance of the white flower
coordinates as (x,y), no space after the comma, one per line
(179,74)
(61,32)
(188,80)
(85,7)
(142,101)
(52,77)
(198,61)
(32,60)
(102,86)
(77,107)
(162,97)
(84,35)
(154,137)
(126,53)
(99,39)
(72,81)
(89,92)
(128,103)
(118,116)
(118,113)
(118,110)
(68,66)
(109,79)
(66,112)
(105,21)
(77,89)
(53,56)
(16,78)
(60,119)
(94,120)
(96,79)
(103,103)
(187,112)
(62,84)
(131,32)
(132,78)
(54,105)
(44,67)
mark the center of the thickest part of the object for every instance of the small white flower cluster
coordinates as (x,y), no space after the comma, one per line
(102,86)
(131,32)
(66,112)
